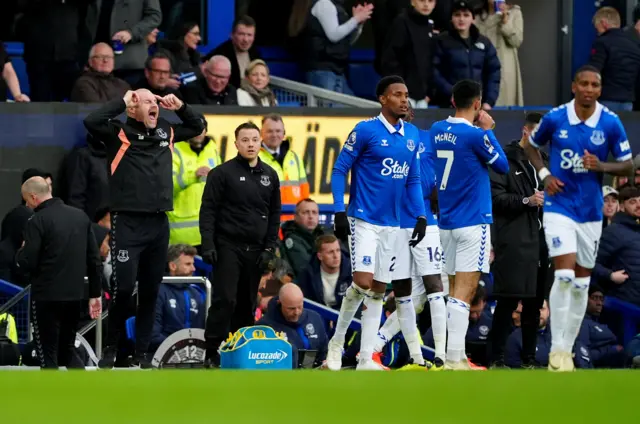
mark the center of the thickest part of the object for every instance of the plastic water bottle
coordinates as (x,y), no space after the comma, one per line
(498,4)
(118,46)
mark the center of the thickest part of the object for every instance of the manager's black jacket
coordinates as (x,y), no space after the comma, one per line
(139,158)
(617,56)
(59,250)
(241,206)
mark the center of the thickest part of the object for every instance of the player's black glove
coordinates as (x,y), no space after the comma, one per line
(210,256)
(418,232)
(266,261)
(341,227)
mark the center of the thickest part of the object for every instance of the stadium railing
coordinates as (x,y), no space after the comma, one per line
(15,300)
(97,324)
(296,94)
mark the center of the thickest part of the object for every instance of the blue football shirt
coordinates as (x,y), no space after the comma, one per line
(383,160)
(568,138)
(464,154)
(428,182)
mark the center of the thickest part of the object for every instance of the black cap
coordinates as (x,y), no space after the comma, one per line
(463,5)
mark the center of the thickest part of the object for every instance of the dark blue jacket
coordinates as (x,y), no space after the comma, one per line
(310,281)
(456,59)
(174,300)
(620,249)
(513,350)
(308,333)
(602,344)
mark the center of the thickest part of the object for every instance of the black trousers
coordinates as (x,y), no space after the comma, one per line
(54,331)
(235,290)
(139,243)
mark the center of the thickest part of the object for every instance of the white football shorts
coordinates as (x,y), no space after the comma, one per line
(466,249)
(424,259)
(565,236)
(372,249)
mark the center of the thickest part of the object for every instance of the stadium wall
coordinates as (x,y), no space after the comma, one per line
(40,135)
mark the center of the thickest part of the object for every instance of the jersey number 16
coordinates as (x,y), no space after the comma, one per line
(448,155)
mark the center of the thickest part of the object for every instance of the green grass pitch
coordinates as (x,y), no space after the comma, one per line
(199,396)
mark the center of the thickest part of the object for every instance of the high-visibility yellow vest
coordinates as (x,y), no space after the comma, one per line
(293,177)
(12,331)
(187,191)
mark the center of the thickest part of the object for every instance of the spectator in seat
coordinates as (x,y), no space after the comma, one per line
(464,53)
(9,79)
(129,23)
(192,161)
(54,44)
(157,76)
(254,88)
(178,306)
(300,235)
(213,87)
(239,49)
(617,268)
(87,177)
(326,33)
(505,30)
(611,205)
(328,275)
(97,84)
(303,328)
(276,152)
(617,57)
(11,241)
(604,350)
(181,48)
(407,51)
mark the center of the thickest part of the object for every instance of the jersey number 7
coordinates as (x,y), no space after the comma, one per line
(448,155)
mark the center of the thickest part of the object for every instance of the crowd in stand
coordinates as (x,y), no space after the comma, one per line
(482,43)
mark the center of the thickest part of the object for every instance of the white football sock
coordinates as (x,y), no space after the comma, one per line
(559,301)
(418,302)
(579,297)
(457,326)
(350,304)
(370,324)
(389,329)
(407,319)
(438,309)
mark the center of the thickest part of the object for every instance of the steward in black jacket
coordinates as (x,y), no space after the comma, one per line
(139,154)
(239,223)
(59,249)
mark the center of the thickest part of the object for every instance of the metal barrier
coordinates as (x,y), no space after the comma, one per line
(15,300)
(166,280)
(293,93)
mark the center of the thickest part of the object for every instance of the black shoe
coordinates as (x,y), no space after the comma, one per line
(141,362)
(108,358)
(438,363)
(212,360)
(499,365)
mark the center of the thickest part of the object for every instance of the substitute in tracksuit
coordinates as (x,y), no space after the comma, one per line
(59,250)
(239,222)
(141,192)
(179,306)
(192,161)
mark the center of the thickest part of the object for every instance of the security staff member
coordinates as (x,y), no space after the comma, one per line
(59,250)
(239,222)
(141,192)
(192,161)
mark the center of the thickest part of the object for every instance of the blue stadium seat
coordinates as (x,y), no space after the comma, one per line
(363,79)
(130,326)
